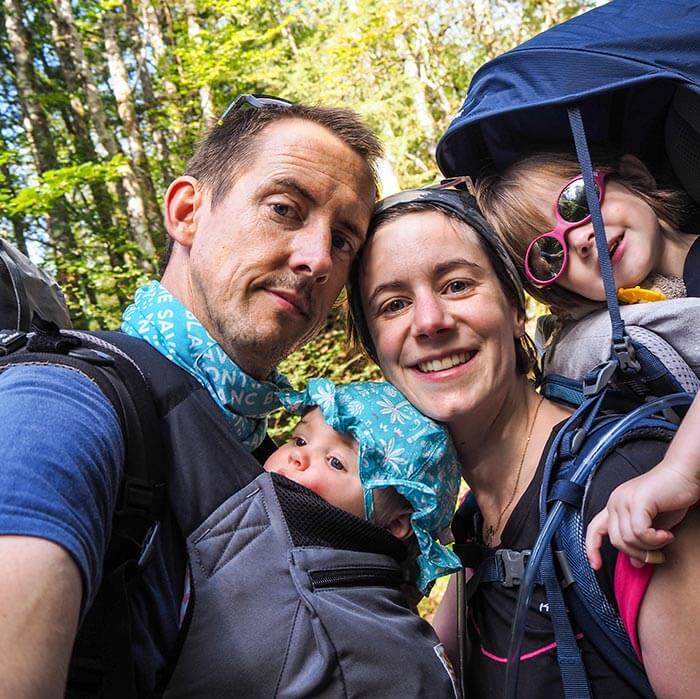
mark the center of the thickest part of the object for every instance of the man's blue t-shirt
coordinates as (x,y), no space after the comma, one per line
(61,456)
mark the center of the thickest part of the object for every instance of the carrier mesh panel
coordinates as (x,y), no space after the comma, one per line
(313,522)
(668,356)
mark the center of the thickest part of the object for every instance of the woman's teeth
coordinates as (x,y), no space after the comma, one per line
(445,362)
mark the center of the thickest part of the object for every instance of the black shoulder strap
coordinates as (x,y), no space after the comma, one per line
(102,663)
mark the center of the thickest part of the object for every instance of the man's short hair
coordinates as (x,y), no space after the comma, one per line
(229,146)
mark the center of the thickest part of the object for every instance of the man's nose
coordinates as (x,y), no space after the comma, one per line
(431,316)
(312,255)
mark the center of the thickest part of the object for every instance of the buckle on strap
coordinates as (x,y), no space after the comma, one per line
(513,564)
(140,498)
(597,379)
(626,355)
(11,340)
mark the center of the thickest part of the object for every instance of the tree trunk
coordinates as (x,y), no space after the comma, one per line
(128,189)
(430,61)
(149,98)
(153,36)
(127,115)
(417,88)
(74,282)
(206,101)
(17,220)
(85,149)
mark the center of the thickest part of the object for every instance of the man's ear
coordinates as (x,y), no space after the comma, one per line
(400,526)
(631,166)
(183,198)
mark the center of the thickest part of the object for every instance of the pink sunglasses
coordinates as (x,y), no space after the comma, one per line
(547,255)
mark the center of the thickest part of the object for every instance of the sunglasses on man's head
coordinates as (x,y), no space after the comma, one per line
(547,255)
(246,101)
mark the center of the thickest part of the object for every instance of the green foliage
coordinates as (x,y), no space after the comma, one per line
(54,184)
(404,66)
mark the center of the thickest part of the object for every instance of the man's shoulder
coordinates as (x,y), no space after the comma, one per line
(33,379)
(62,453)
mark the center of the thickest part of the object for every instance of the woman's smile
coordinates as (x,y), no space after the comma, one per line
(442,367)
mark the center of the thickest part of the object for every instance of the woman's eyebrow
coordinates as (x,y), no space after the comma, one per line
(449,265)
(395,285)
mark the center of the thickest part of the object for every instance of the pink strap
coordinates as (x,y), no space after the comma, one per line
(630,586)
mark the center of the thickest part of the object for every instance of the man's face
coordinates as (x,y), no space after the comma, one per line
(267,263)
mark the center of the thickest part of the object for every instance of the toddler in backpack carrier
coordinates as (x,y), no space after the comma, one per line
(652,259)
(346,521)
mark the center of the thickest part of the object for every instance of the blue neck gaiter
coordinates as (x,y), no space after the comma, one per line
(157,317)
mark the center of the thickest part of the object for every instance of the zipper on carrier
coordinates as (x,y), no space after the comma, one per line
(356,577)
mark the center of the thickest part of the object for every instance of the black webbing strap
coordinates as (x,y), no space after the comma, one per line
(139,508)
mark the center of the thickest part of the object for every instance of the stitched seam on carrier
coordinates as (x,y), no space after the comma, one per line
(287,647)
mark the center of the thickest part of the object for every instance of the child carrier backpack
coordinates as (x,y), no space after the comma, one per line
(31,310)
(626,73)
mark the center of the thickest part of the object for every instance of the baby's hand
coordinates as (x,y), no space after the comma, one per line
(640,514)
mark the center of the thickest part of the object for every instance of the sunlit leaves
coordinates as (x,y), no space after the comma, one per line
(36,200)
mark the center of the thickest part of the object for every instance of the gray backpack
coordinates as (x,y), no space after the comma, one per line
(25,290)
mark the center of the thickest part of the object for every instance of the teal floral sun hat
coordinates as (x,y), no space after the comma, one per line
(397,446)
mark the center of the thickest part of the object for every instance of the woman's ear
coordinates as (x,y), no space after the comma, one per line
(400,525)
(631,166)
(181,203)
(518,324)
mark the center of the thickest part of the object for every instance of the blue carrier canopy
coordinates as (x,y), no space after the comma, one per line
(620,63)
(627,75)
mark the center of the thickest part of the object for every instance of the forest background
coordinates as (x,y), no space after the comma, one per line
(102,102)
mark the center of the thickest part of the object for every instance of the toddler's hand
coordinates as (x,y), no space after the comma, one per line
(640,514)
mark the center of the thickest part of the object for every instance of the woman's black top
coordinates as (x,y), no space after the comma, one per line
(493,606)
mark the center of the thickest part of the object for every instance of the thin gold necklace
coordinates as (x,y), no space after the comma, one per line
(491,530)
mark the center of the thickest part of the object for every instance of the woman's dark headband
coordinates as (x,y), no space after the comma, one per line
(460,203)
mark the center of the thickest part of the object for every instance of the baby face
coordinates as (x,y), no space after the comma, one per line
(322,460)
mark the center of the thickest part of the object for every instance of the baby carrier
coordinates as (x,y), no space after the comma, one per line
(624,74)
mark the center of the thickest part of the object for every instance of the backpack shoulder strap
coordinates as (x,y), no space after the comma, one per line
(102,662)
(589,606)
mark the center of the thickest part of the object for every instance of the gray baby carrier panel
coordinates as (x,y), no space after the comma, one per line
(271,619)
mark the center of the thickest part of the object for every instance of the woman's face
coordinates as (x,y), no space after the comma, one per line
(441,324)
